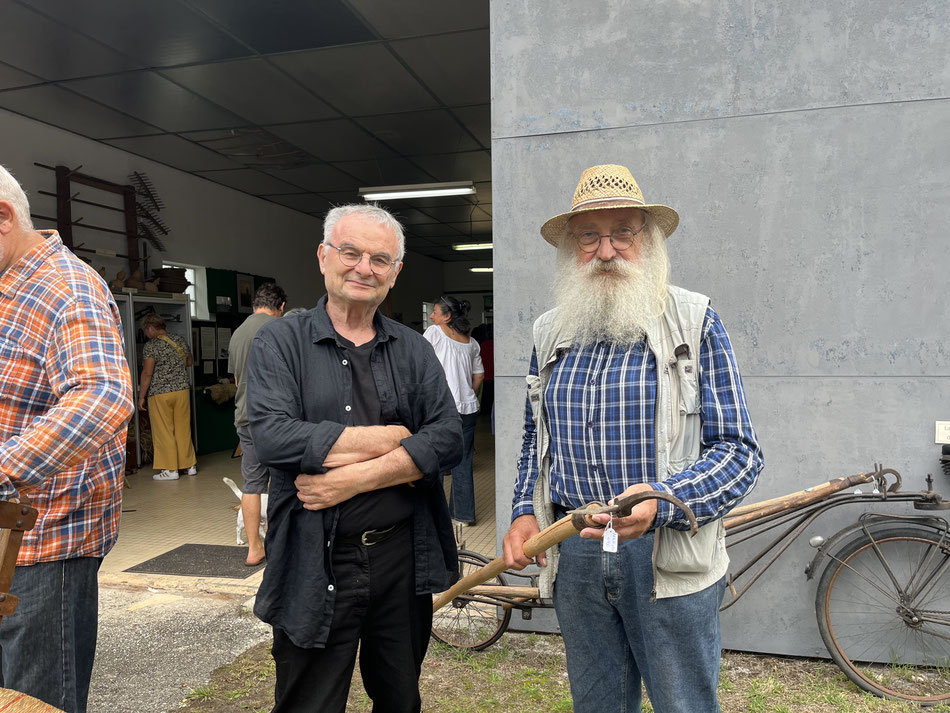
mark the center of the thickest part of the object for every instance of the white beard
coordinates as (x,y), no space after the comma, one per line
(611,301)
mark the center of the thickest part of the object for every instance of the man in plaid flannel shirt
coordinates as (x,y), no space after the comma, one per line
(65,400)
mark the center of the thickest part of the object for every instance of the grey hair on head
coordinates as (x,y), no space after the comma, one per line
(12,192)
(369,211)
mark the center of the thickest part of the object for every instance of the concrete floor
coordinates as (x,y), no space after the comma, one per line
(161,636)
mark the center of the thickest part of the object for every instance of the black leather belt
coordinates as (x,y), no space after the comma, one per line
(371,537)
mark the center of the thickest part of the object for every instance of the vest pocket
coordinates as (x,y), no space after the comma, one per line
(677,552)
(689,386)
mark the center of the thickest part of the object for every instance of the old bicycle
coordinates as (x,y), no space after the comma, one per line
(883,597)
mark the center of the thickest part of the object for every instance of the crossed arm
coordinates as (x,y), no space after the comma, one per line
(364,458)
(357,459)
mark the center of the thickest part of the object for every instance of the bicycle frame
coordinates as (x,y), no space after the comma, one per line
(800,518)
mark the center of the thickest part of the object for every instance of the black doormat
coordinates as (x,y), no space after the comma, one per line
(200,561)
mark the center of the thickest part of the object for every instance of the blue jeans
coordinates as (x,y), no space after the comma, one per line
(48,644)
(615,636)
(462,495)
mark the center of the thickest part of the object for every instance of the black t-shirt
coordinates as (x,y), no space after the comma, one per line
(376,509)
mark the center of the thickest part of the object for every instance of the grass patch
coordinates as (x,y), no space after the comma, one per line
(527,673)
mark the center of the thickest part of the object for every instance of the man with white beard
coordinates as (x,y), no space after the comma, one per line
(633,386)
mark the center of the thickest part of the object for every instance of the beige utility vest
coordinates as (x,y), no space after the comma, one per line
(681,564)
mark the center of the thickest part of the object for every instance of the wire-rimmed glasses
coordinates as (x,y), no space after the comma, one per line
(379,263)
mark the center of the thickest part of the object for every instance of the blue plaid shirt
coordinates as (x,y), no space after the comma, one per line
(600,404)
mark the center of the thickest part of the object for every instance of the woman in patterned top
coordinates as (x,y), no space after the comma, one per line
(165,380)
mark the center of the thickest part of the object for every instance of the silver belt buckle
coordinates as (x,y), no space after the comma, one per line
(374,532)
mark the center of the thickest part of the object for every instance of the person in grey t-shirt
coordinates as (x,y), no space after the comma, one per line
(269,302)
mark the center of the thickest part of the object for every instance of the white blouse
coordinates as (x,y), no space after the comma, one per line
(459,361)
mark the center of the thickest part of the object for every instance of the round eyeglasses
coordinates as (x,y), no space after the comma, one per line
(351,257)
(621,239)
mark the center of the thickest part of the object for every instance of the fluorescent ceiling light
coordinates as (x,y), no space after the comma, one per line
(481,269)
(472,246)
(417,190)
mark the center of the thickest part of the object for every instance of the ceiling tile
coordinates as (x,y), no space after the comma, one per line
(483,192)
(252,89)
(421,132)
(333,140)
(249,181)
(158,34)
(477,119)
(341,197)
(476,227)
(13,77)
(456,67)
(250,146)
(173,151)
(287,25)
(306,202)
(452,213)
(70,111)
(156,100)
(389,172)
(469,166)
(67,54)
(319,177)
(435,230)
(409,216)
(358,80)
(422,17)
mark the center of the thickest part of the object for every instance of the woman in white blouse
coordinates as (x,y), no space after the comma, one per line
(461,359)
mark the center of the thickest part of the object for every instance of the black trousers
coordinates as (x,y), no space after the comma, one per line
(376,612)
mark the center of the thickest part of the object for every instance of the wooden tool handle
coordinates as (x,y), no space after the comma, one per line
(747,513)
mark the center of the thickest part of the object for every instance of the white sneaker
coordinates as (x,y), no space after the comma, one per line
(193,470)
(166,475)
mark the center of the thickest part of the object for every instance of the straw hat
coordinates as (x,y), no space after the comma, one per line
(603,187)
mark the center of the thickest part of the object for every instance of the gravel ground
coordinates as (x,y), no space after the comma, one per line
(155,646)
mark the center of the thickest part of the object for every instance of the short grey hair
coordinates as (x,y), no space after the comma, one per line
(11,191)
(369,211)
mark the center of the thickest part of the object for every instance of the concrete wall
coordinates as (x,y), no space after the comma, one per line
(805,147)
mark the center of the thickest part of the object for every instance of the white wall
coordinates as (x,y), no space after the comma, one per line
(210,225)
(419,281)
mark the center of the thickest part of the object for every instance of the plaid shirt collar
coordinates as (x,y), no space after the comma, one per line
(19,273)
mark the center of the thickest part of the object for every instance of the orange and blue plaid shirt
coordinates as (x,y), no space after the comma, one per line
(65,400)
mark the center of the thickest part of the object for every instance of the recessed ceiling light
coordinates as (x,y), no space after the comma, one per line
(481,269)
(417,190)
(472,246)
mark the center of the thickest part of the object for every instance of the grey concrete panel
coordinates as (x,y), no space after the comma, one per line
(594,64)
(812,430)
(815,233)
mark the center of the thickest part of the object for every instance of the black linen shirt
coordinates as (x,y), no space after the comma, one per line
(299,401)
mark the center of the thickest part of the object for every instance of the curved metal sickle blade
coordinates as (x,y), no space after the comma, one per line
(623,506)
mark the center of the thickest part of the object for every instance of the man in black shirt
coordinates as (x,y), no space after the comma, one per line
(351,412)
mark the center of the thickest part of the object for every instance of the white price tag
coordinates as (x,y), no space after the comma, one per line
(610,537)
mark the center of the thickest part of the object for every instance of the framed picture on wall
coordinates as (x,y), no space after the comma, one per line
(245,293)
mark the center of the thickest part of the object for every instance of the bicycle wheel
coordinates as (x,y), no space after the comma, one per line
(471,622)
(883,606)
